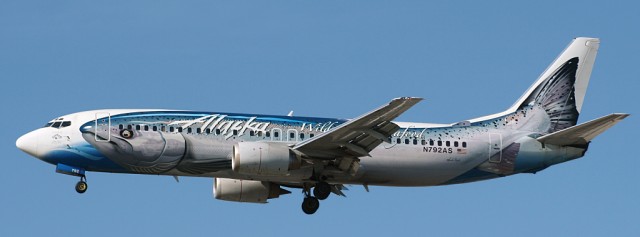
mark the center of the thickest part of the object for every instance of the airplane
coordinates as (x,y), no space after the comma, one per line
(255,157)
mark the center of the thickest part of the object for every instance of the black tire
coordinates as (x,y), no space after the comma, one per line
(310,205)
(322,190)
(81,187)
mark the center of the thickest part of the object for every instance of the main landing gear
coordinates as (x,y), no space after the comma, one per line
(310,205)
(82,186)
(321,191)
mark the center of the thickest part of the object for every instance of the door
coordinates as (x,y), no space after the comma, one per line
(103,127)
(276,134)
(495,147)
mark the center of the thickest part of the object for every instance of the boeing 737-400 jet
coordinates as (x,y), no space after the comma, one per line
(253,157)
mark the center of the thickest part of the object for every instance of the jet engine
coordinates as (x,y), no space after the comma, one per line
(262,158)
(236,190)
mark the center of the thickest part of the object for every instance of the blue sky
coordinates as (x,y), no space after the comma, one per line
(318,58)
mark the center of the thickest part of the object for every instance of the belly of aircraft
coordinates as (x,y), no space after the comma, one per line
(414,166)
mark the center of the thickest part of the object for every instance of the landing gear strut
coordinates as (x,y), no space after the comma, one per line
(82,186)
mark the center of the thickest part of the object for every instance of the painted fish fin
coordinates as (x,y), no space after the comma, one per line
(561,88)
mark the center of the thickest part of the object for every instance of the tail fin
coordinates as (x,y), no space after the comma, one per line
(561,88)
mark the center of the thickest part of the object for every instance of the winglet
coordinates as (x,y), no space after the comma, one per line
(583,133)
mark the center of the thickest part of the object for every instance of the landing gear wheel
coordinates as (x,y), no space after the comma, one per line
(81,186)
(322,190)
(310,205)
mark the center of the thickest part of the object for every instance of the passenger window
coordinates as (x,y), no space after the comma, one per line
(430,142)
(448,143)
(129,127)
(138,127)
(259,133)
(163,128)
(155,128)
(423,142)
(406,141)
(439,143)
(198,130)
(310,135)
(464,144)
(189,130)
(252,133)
(207,131)
(217,131)
(121,126)
(179,129)
(275,134)
(398,140)
(171,129)
(415,141)
(268,134)
(235,132)
(292,135)
(146,127)
(455,144)
(301,136)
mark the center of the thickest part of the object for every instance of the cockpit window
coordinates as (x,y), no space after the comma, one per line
(58,124)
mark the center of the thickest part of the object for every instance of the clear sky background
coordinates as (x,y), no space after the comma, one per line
(318,58)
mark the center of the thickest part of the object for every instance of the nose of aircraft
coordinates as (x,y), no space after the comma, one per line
(28,143)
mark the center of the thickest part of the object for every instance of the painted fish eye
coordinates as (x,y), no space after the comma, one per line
(126,133)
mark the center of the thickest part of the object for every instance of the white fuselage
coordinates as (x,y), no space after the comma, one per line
(418,155)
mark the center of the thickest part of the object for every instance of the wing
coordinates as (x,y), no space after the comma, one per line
(357,137)
(583,133)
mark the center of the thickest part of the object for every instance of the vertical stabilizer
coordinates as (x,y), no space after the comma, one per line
(558,94)
(581,51)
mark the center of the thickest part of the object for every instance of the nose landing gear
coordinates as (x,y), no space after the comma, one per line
(82,186)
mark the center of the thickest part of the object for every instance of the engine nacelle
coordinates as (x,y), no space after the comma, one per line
(237,190)
(261,158)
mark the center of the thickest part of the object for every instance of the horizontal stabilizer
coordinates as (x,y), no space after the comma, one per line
(583,133)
